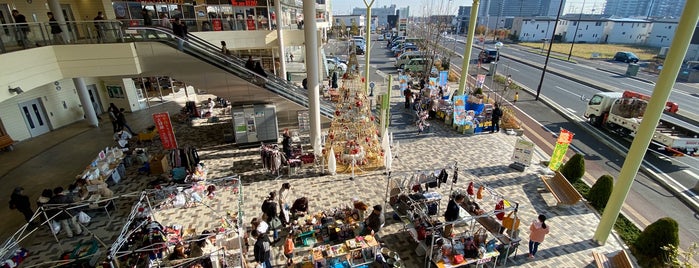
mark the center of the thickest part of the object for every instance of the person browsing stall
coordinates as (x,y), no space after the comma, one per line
(122,138)
(374,222)
(452,213)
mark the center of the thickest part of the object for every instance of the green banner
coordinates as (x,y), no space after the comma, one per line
(557,156)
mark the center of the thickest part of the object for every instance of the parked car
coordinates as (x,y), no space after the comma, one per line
(405,49)
(406,57)
(417,64)
(380,38)
(625,56)
(359,50)
(488,55)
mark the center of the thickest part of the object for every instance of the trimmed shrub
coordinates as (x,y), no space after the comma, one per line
(478,91)
(574,169)
(661,233)
(600,192)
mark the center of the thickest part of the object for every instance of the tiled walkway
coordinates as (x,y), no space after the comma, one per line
(481,158)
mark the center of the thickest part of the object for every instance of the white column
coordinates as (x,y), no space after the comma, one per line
(310,29)
(88,109)
(55,7)
(280,37)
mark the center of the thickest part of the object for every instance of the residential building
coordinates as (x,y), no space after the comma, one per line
(536,29)
(349,20)
(586,28)
(515,8)
(462,18)
(644,8)
(662,32)
(628,31)
(381,13)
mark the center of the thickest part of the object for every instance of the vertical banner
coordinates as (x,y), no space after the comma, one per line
(460,110)
(167,136)
(432,85)
(480,80)
(559,152)
(443,77)
(403,82)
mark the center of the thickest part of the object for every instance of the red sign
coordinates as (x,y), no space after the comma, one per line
(246,3)
(251,23)
(167,136)
(217,25)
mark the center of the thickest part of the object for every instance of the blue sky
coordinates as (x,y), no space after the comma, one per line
(345,6)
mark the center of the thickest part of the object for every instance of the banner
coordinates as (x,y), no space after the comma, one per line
(459,110)
(167,136)
(523,152)
(559,152)
(432,85)
(480,80)
(443,77)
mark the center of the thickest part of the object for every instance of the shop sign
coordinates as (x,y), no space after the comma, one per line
(164,126)
(160,1)
(218,26)
(480,80)
(251,23)
(244,3)
(443,77)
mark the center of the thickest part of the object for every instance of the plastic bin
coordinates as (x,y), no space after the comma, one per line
(632,69)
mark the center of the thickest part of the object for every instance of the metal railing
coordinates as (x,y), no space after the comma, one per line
(18,36)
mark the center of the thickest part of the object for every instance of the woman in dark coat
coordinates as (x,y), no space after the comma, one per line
(19,201)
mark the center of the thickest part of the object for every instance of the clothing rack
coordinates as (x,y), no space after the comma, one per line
(272,159)
(186,157)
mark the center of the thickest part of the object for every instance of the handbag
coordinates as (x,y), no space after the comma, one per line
(499,207)
(479,194)
(480,236)
(509,221)
(275,223)
(84,218)
(458,258)
(470,189)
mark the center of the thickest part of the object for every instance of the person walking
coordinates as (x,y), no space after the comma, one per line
(269,208)
(259,70)
(56,30)
(20,202)
(516,98)
(22,29)
(291,57)
(408,97)
(148,22)
(538,230)
(286,144)
(289,249)
(165,21)
(121,121)
(497,114)
(262,249)
(99,26)
(113,111)
(452,213)
(179,29)
(284,202)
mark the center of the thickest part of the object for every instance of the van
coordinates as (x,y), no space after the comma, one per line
(417,65)
(406,57)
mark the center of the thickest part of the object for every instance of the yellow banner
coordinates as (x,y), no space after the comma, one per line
(557,156)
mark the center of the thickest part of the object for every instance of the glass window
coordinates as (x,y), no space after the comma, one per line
(595,100)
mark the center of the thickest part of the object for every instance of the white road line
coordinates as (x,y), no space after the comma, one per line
(510,68)
(570,110)
(567,67)
(634,86)
(690,173)
(574,94)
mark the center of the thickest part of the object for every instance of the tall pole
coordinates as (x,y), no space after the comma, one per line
(548,54)
(310,31)
(280,38)
(577,25)
(367,51)
(661,93)
(469,46)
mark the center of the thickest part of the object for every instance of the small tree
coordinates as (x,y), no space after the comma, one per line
(659,234)
(574,169)
(480,29)
(600,192)
(354,30)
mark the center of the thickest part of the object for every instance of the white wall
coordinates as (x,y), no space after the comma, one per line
(628,32)
(588,31)
(661,34)
(537,30)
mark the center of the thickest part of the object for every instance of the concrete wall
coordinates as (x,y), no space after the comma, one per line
(628,32)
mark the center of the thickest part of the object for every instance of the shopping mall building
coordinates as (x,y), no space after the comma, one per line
(51,77)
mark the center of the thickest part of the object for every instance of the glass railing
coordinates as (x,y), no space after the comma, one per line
(210,53)
(15,36)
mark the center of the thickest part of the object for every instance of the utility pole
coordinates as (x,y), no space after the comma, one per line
(469,46)
(367,51)
(548,54)
(577,25)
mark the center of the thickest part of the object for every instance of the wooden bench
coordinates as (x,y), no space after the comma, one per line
(620,260)
(6,143)
(562,190)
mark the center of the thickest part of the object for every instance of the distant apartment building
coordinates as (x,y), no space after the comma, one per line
(462,18)
(644,8)
(381,14)
(662,32)
(536,29)
(490,9)
(628,31)
(349,20)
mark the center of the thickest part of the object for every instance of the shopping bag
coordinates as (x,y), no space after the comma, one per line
(275,223)
(84,218)
(480,236)
(509,221)
(458,258)
(55,226)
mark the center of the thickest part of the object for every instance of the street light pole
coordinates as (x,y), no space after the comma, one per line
(577,25)
(367,51)
(548,54)
(469,46)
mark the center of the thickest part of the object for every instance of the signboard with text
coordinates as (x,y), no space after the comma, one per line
(164,126)
(523,152)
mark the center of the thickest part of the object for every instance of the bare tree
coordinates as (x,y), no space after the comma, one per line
(432,28)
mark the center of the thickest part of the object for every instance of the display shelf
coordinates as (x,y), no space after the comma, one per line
(487,257)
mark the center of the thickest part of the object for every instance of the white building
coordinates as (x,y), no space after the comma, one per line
(349,20)
(661,33)
(628,31)
(536,29)
(586,29)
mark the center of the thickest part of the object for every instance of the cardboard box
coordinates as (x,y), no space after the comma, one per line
(159,165)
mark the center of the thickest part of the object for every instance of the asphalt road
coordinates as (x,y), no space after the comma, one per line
(647,200)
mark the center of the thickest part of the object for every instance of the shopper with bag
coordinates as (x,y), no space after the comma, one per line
(374,222)
(67,221)
(452,213)
(262,250)
(269,208)
(284,202)
(538,230)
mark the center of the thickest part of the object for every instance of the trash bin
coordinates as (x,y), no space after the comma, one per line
(492,68)
(632,69)
(288,76)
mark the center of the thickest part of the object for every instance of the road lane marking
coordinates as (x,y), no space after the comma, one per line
(567,67)
(571,110)
(573,93)
(690,173)
(627,84)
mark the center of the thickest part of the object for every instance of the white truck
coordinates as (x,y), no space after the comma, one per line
(623,112)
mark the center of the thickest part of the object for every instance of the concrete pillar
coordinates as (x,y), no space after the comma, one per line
(280,37)
(88,109)
(310,29)
(469,47)
(639,146)
(367,51)
(55,7)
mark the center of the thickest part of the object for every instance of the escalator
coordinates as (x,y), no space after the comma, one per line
(207,52)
